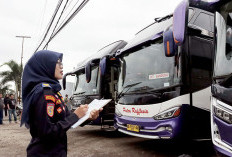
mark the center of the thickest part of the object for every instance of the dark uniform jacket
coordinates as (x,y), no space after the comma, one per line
(49,121)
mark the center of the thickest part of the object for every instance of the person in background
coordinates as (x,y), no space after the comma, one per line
(11,105)
(44,111)
(1,108)
(66,98)
(6,98)
(67,102)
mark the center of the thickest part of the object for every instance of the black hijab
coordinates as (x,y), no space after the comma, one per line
(39,69)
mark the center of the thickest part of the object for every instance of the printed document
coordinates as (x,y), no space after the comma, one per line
(95,104)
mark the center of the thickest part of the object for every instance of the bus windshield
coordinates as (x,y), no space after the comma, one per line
(148,69)
(223,58)
(82,87)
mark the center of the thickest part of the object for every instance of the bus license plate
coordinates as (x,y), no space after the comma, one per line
(131,127)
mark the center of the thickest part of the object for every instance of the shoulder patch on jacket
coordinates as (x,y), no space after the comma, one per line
(58,102)
(50,109)
(46,85)
(59,110)
(50,97)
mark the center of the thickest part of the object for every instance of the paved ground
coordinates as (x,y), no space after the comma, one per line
(91,141)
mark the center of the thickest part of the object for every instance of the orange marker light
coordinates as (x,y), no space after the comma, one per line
(177,113)
(168,48)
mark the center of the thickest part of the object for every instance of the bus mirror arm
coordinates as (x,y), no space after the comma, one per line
(64,80)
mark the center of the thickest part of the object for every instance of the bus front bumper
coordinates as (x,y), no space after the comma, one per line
(223,140)
(149,127)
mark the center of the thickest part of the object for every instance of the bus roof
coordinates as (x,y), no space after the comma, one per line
(110,50)
(151,32)
(208,5)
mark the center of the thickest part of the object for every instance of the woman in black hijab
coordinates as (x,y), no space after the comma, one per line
(44,111)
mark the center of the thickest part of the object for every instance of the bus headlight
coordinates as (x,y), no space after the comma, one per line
(223,115)
(117,112)
(171,113)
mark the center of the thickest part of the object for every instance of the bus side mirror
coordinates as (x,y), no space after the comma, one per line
(180,19)
(88,72)
(170,48)
(102,65)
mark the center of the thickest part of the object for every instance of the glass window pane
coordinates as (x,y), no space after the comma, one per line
(203,21)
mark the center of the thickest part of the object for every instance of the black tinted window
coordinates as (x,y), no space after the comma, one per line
(201,58)
(204,21)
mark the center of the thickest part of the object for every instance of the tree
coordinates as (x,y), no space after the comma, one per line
(13,75)
(5,89)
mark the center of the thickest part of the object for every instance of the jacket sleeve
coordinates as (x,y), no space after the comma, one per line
(43,123)
(67,110)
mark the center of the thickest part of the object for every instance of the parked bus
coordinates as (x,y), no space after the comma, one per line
(95,79)
(221,111)
(165,76)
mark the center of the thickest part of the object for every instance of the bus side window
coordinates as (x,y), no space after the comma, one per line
(204,21)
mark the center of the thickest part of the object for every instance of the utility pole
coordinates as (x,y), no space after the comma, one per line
(21,65)
(22,47)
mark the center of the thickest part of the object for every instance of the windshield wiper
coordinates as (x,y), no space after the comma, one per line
(79,93)
(144,90)
(127,86)
(226,81)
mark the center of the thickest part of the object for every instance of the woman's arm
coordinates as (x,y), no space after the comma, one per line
(45,118)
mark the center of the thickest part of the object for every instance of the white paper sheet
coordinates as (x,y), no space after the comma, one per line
(95,104)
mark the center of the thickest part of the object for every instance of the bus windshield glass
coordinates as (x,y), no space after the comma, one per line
(82,87)
(223,58)
(148,69)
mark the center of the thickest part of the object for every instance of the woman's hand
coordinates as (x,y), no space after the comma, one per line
(81,111)
(94,114)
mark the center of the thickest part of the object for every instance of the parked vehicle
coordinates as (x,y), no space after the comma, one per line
(165,77)
(221,111)
(96,78)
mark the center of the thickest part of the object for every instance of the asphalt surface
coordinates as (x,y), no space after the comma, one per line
(91,141)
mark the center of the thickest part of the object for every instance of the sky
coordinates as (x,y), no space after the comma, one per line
(98,24)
